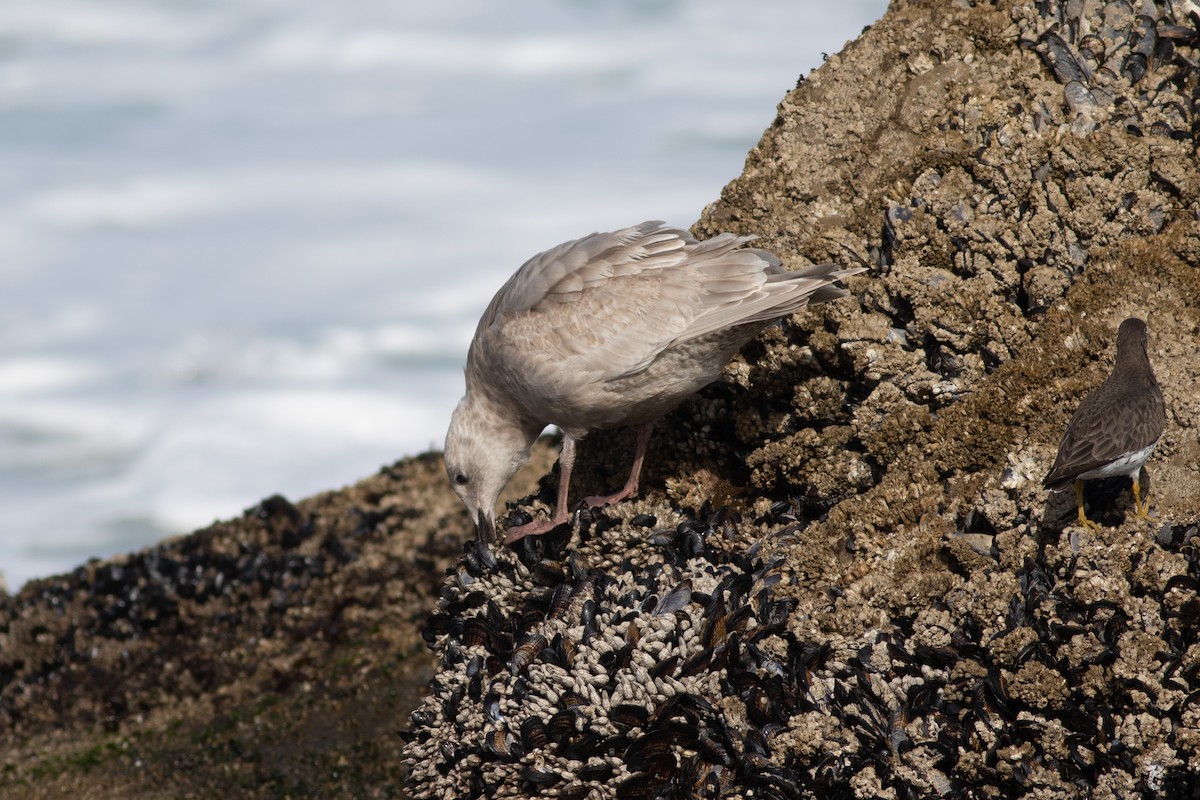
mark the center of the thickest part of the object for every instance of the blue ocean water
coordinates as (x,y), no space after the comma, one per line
(244,243)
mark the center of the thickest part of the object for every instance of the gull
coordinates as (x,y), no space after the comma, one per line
(1116,427)
(607,331)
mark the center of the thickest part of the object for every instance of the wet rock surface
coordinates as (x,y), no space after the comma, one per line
(844,579)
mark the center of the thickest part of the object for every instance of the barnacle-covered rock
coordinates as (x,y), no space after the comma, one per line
(1020,186)
(620,673)
(981,201)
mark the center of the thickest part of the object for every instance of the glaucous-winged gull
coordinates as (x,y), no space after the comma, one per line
(1116,427)
(610,330)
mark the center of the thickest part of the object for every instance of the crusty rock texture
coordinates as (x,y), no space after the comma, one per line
(273,655)
(1020,178)
(844,578)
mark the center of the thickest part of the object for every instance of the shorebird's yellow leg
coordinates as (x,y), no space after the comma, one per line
(1143,512)
(1083,520)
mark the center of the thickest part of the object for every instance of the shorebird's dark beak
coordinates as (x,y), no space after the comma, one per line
(485,528)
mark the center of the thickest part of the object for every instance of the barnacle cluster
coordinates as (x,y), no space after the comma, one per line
(660,660)
(645,658)
(1138,61)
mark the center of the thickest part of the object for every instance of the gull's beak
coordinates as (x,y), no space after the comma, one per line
(485,527)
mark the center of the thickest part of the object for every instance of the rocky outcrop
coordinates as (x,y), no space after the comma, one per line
(276,654)
(881,599)
(844,579)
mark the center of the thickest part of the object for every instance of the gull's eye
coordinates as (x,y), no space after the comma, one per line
(461,480)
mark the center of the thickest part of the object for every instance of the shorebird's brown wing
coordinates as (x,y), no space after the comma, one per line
(1107,425)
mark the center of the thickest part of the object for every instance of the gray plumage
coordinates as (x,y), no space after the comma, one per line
(1116,427)
(610,330)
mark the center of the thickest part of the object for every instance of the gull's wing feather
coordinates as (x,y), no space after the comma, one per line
(606,306)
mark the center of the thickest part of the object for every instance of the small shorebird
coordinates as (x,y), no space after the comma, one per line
(1116,427)
(611,330)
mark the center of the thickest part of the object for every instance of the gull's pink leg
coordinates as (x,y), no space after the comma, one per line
(631,486)
(566,461)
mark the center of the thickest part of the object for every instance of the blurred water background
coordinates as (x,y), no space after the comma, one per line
(244,243)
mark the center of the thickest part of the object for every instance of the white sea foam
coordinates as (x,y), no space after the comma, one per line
(23,375)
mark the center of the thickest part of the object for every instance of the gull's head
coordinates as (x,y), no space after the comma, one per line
(483,452)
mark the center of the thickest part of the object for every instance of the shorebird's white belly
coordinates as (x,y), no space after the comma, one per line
(1129,464)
